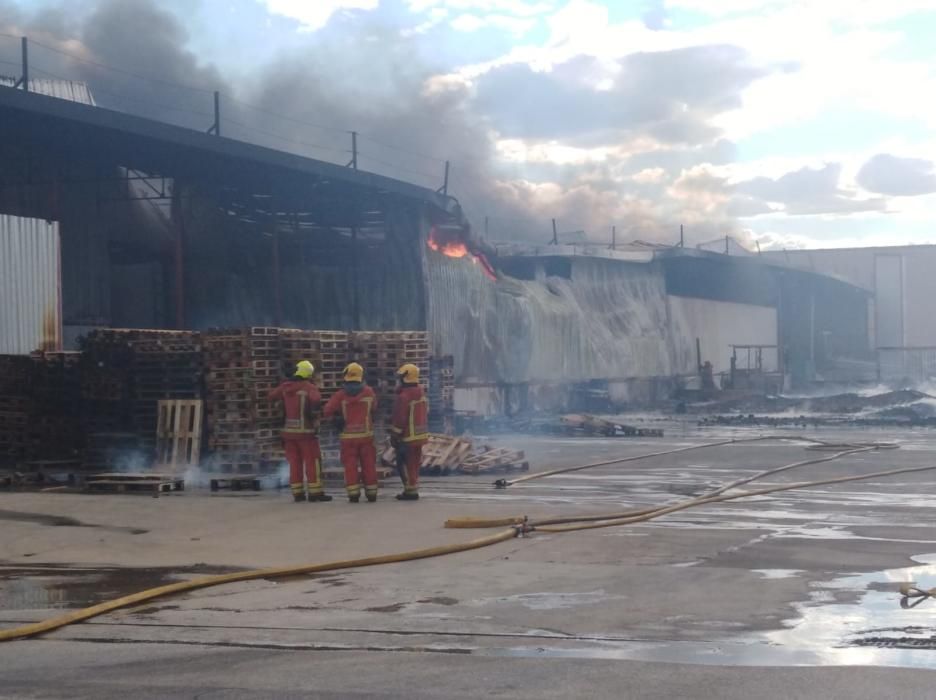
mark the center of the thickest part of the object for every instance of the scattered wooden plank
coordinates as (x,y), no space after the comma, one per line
(494,459)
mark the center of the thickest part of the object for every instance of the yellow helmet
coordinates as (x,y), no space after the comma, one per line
(305,369)
(353,373)
(409,374)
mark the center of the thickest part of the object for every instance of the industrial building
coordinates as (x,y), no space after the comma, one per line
(112,220)
(903,333)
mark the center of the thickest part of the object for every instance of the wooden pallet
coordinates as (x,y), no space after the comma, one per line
(178,434)
(444,454)
(493,460)
(239,482)
(154,484)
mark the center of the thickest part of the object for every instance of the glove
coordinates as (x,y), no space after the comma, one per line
(395,441)
(339,423)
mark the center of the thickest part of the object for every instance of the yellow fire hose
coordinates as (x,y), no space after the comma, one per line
(704,498)
(910,590)
(517,527)
(467,523)
(815,445)
(207,581)
(719,499)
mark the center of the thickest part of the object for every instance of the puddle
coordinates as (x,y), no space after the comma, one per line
(550,601)
(774,574)
(852,620)
(60,587)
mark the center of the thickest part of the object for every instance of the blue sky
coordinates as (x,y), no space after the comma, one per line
(793,122)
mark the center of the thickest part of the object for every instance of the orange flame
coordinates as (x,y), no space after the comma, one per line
(453,247)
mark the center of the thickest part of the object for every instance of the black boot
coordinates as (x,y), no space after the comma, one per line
(354,499)
(299,497)
(372,498)
(408,496)
(319,497)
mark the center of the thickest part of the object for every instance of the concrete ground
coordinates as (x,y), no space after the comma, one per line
(792,595)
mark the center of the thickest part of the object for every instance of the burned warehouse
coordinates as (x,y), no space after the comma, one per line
(460,348)
(160,227)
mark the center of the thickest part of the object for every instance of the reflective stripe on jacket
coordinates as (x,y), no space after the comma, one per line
(411,414)
(357,412)
(301,399)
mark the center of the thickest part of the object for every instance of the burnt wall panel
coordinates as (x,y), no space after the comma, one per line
(327,278)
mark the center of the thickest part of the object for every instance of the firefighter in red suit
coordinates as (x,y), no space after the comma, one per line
(409,429)
(353,408)
(301,400)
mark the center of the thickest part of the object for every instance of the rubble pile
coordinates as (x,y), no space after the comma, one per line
(905,407)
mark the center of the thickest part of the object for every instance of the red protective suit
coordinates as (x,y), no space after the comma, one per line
(301,400)
(357,438)
(410,426)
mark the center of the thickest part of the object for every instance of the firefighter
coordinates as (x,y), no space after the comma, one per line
(301,400)
(409,430)
(353,408)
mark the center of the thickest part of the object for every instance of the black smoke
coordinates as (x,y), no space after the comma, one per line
(363,73)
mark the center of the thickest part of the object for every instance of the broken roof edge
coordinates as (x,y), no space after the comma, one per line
(754,259)
(70,90)
(561,250)
(95,117)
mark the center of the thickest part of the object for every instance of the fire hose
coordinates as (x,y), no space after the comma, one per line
(815,445)
(517,526)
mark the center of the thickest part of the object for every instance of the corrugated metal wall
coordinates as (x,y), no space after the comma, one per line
(718,325)
(609,320)
(30,273)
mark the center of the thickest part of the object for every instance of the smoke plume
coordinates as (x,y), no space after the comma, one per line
(525,145)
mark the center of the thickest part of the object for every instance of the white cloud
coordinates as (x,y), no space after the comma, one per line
(519,151)
(314,14)
(814,56)
(517,8)
(650,175)
(472,23)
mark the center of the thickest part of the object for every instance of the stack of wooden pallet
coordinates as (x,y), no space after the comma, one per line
(104,371)
(164,366)
(54,424)
(15,406)
(241,367)
(334,354)
(114,451)
(382,354)
(441,393)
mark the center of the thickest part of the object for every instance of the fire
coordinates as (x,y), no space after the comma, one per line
(453,249)
(486,266)
(451,244)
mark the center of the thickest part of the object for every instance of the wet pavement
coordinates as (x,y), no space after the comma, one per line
(799,578)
